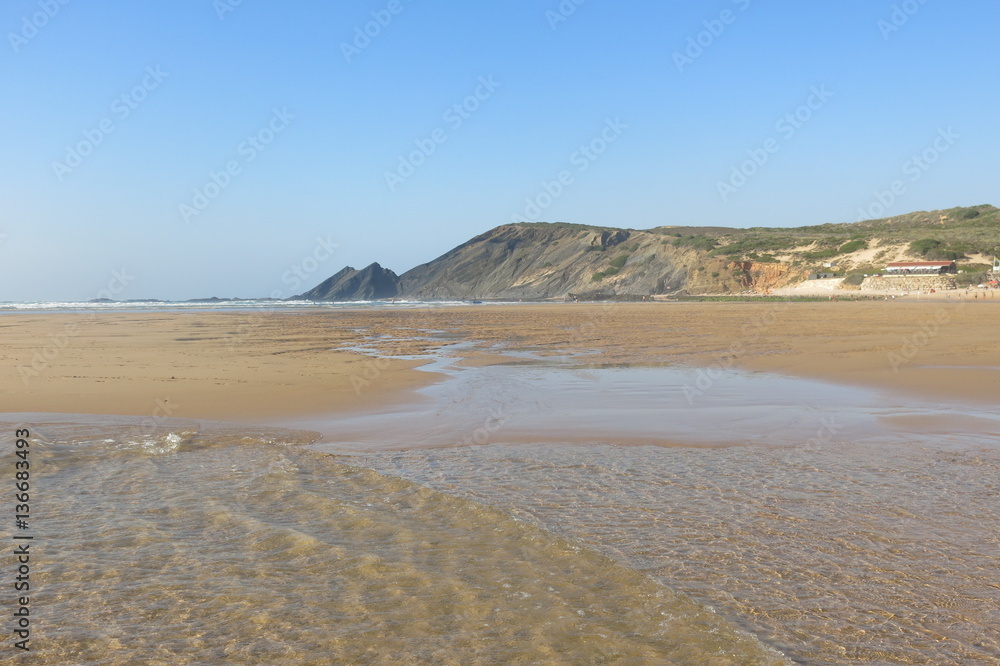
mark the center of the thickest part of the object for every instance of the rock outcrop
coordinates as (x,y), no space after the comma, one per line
(762,277)
(607,239)
(536,261)
(370,283)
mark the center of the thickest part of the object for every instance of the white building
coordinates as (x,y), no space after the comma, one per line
(920,268)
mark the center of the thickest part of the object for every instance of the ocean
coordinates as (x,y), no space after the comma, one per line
(201,543)
(248,304)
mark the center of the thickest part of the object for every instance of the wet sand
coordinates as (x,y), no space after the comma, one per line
(850,520)
(260,366)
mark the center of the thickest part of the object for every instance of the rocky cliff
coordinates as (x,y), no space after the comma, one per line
(370,283)
(533,261)
(539,260)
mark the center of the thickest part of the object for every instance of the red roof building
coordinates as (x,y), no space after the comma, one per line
(921,267)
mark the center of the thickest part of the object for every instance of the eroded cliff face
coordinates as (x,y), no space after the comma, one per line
(762,277)
(547,261)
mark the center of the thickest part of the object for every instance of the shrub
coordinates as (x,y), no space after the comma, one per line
(696,243)
(821,254)
(606,273)
(619,261)
(756,244)
(924,246)
(854,279)
(946,255)
(853,246)
(970,279)
(931,248)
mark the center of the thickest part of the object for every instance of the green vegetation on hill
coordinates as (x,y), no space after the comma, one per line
(755,243)
(853,246)
(705,243)
(619,261)
(942,234)
(536,260)
(616,266)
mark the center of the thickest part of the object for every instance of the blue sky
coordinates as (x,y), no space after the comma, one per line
(217,147)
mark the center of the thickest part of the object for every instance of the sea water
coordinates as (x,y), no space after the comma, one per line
(837,524)
(204,543)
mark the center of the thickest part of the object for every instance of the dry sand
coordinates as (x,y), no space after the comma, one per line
(256,367)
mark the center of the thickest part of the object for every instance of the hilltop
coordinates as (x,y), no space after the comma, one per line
(555,260)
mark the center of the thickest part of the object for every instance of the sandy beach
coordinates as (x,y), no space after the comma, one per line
(252,367)
(544,477)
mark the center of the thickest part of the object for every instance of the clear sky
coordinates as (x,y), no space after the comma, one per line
(219,147)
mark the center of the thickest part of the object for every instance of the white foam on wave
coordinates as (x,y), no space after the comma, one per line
(157,446)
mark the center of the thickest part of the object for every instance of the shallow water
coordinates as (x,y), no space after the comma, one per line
(763,516)
(200,543)
(850,554)
(540,402)
(838,524)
